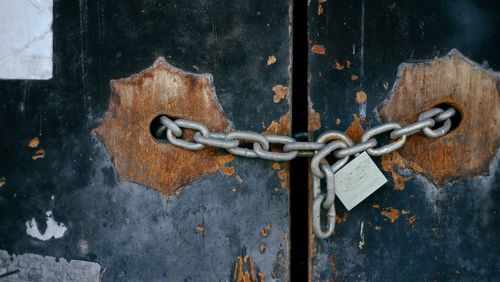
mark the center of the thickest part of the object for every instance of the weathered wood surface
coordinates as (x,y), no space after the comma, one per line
(468,150)
(136,101)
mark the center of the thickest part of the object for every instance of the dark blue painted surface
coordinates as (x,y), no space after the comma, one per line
(455,235)
(133,232)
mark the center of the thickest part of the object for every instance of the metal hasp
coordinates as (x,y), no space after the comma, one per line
(373,62)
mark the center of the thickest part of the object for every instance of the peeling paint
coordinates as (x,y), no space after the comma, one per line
(228,170)
(34,142)
(280,127)
(262,247)
(282,171)
(245,270)
(355,130)
(361,97)
(391,213)
(33,267)
(39,154)
(264,232)
(3,181)
(54,229)
(280,92)
(318,49)
(320,9)
(271,60)
(412,219)
(338,65)
(389,164)
(314,118)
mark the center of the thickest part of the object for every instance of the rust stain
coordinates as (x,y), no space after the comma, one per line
(389,163)
(361,97)
(34,142)
(135,102)
(376,206)
(244,270)
(39,154)
(314,119)
(391,213)
(264,232)
(355,130)
(3,181)
(200,228)
(455,80)
(318,49)
(354,77)
(276,166)
(280,92)
(271,60)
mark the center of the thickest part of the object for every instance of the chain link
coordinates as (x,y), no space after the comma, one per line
(334,143)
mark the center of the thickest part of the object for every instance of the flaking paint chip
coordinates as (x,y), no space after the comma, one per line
(391,213)
(361,97)
(34,142)
(318,49)
(280,92)
(262,247)
(338,65)
(39,154)
(264,232)
(271,60)
(2,181)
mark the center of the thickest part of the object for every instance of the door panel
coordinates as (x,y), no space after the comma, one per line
(378,61)
(227,219)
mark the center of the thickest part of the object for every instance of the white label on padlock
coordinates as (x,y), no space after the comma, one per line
(358,180)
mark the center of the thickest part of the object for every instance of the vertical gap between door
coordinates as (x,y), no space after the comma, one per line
(299,170)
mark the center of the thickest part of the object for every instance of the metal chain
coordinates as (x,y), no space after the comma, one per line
(332,142)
